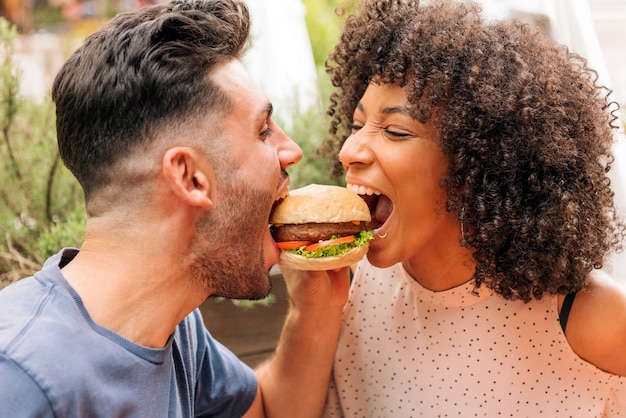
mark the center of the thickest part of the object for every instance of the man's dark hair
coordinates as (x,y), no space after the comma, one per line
(524,123)
(141,72)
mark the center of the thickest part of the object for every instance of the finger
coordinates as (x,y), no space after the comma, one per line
(340,279)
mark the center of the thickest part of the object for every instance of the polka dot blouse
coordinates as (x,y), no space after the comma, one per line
(405,351)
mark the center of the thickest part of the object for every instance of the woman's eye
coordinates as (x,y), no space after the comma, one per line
(396,134)
(354,127)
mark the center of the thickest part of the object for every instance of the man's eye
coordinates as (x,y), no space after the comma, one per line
(267,133)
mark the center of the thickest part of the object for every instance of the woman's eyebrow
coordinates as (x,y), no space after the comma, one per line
(396,109)
(389,110)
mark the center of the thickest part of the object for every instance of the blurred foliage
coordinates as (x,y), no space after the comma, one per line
(249,304)
(323,19)
(41,206)
(308,129)
(324,26)
(45,16)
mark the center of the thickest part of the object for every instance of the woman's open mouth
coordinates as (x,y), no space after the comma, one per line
(380,205)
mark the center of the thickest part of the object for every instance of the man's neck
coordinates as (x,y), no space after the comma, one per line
(133,292)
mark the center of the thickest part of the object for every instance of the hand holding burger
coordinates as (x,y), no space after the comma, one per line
(321,227)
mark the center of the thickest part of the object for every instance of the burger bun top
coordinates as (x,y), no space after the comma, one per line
(318,203)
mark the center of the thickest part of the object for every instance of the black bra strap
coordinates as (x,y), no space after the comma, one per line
(567,306)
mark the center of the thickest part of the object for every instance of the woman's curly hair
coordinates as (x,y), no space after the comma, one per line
(525,125)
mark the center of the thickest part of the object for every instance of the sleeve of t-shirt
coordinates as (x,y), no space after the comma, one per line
(20,396)
(225,386)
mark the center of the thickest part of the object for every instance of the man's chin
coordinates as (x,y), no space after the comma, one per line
(262,294)
(259,287)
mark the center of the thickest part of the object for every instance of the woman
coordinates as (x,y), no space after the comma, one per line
(482,149)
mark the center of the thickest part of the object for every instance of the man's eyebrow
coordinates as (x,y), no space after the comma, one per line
(268,109)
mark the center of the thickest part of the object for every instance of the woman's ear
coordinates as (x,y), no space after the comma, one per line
(188,174)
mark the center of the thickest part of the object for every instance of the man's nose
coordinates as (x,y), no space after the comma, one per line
(289,153)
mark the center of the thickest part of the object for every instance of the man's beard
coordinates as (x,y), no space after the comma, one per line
(228,245)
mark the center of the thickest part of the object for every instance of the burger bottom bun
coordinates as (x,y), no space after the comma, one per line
(298,262)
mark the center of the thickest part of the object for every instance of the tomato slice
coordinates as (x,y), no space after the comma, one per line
(320,244)
(292,245)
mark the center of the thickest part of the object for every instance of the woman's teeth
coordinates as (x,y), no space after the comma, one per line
(362,190)
(379,204)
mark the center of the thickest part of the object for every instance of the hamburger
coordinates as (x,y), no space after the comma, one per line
(320,227)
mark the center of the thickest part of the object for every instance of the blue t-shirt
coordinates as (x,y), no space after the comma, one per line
(56,362)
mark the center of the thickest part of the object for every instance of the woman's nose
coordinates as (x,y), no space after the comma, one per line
(355,150)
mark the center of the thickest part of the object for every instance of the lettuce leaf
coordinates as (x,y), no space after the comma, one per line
(335,250)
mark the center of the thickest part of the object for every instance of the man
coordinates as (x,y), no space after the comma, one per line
(180,163)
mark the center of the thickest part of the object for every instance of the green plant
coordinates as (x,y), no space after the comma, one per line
(308,129)
(41,204)
(324,26)
(46,16)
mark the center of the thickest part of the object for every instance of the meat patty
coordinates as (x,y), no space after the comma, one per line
(314,231)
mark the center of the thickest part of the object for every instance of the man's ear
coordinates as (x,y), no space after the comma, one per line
(188,174)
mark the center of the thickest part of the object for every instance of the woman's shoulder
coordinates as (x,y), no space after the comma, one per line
(596,328)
